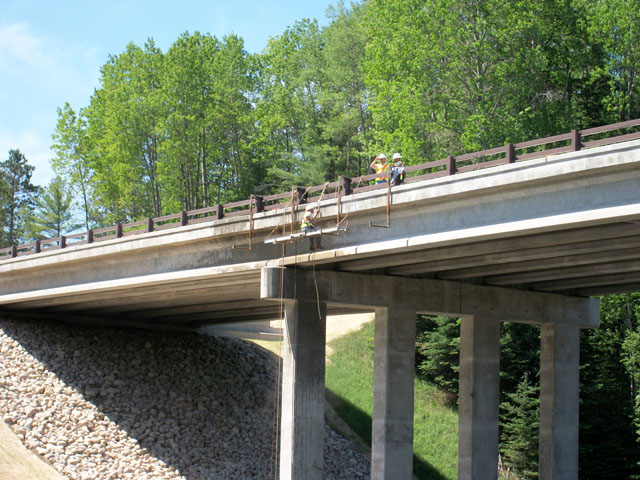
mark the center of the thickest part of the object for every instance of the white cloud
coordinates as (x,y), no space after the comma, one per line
(40,60)
(38,75)
(18,44)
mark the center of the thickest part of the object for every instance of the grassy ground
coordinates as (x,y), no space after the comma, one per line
(349,380)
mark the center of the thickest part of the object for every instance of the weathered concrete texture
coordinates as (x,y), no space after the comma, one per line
(444,298)
(302,424)
(479,398)
(559,387)
(392,428)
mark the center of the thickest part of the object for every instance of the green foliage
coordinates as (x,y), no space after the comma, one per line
(121,137)
(448,77)
(519,355)
(631,360)
(70,162)
(519,429)
(615,25)
(17,196)
(53,214)
(608,444)
(438,352)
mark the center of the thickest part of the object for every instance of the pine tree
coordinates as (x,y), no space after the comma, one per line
(17,196)
(53,215)
(519,429)
(438,352)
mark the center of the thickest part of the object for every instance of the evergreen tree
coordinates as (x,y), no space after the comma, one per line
(438,352)
(18,195)
(608,447)
(519,429)
(53,215)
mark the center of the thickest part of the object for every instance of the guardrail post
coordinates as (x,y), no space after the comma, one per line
(183,218)
(63,241)
(14,251)
(511,153)
(346,186)
(451,165)
(90,236)
(149,224)
(576,143)
(37,246)
(219,212)
(118,230)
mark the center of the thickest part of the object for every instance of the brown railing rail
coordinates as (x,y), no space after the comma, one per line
(510,153)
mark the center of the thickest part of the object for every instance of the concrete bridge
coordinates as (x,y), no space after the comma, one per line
(524,242)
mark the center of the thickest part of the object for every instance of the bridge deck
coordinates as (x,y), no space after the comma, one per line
(567,224)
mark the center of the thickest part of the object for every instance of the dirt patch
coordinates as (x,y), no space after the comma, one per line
(16,461)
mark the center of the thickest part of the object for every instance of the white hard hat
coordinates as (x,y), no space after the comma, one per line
(396,155)
(382,155)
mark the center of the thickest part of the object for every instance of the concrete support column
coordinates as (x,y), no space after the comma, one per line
(559,388)
(479,398)
(392,428)
(302,422)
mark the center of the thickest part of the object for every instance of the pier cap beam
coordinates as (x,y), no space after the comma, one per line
(427,296)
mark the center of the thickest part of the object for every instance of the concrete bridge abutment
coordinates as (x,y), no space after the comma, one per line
(396,302)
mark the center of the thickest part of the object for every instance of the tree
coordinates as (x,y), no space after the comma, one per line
(18,195)
(438,352)
(519,429)
(53,214)
(290,114)
(608,446)
(615,24)
(451,76)
(346,125)
(71,162)
(122,135)
(209,89)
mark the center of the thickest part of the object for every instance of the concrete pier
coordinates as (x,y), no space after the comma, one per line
(392,423)
(479,398)
(302,423)
(396,301)
(559,388)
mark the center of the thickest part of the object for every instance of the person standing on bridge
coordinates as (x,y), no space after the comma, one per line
(307,226)
(397,172)
(381,166)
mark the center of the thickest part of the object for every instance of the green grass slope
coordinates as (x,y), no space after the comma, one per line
(349,382)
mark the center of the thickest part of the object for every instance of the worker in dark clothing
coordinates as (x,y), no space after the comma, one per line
(397,172)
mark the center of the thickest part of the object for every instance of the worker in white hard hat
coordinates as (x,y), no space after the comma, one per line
(397,172)
(307,226)
(381,166)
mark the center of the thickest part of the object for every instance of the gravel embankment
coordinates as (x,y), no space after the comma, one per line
(104,403)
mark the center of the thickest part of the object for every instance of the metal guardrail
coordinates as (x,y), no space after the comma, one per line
(510,153)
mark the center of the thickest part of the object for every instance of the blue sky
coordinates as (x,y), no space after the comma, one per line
(51,51)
